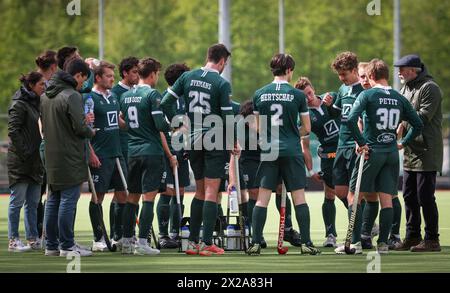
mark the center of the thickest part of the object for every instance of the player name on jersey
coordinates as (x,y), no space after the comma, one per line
(202,84)
(276,97)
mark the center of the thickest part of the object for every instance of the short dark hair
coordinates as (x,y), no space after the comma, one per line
(217,52)
(302,83)
(77,65)
(174,71)
(30,79)
(127,64)
(147,66)
(46,59)
(280,63)
(246,108)
(345,61)
(63,54)
(100,69)
(378,69)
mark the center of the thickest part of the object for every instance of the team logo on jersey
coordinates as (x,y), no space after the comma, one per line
(112,118)
(386,137)
(346,108)
(331,127)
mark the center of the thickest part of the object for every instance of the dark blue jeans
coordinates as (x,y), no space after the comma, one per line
(59,217)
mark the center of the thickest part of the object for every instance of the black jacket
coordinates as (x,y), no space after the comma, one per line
(24,163)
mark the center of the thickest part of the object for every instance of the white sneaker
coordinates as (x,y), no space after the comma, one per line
(100,245)
(142,248)
(357,246)
(382,248)
(52,252)
(330,241)
(375,230)
(127,246)
(35,244)
(82,246)
(77,250)
(15,245)
(117,243)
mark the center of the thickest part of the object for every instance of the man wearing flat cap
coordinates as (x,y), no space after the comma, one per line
(422,156)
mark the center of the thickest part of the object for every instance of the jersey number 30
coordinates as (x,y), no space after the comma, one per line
(389,118)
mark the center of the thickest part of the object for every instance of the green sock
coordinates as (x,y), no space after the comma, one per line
(329,216)
(363,204)
(196,219)
(244,208)
(146,219)
(129,219)
(175,214)
(288,221)
(220,210)
(163,214)
(345,202)
(112,207)
(386,216)
(118,216)
(356,237)
(258,222)
(370,213)
(209,220)
(95,215)
(303,220)
(395,230)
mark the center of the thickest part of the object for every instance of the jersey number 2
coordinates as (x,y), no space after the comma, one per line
(276,118)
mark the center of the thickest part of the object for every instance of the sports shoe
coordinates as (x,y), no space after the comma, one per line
(408,243)
(167,242)
(35,244)
(427,246)
(51,252)
(357,246)
(76,250)
(192,248)
(330,241)
(375,230)
(99,246)
(263,243)
(15,245)
(82,246)
(394,242)
(127,246)
(366,242)
(142,248)
(293,237)
(254,249)
(309,248)
(208,250)
(117,243)
(382,248)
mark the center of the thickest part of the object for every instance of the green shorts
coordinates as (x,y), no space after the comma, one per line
(224,182)
(145,173)
(290,169)
(326,166)
(107,176)
(183,173)
(249,168)
(343,165)
(210,164)
(380,173)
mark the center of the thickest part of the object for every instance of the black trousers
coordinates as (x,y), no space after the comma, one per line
(418,191)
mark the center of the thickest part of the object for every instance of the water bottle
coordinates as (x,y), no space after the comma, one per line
(89,107)
(184,237)
(234,205)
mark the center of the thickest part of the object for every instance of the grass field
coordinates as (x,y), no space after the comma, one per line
(269,261)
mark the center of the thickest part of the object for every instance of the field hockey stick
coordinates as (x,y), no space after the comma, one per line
(282,249)
(125,185)
(351,224)
(43,241)
(111,247)
(239,196)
